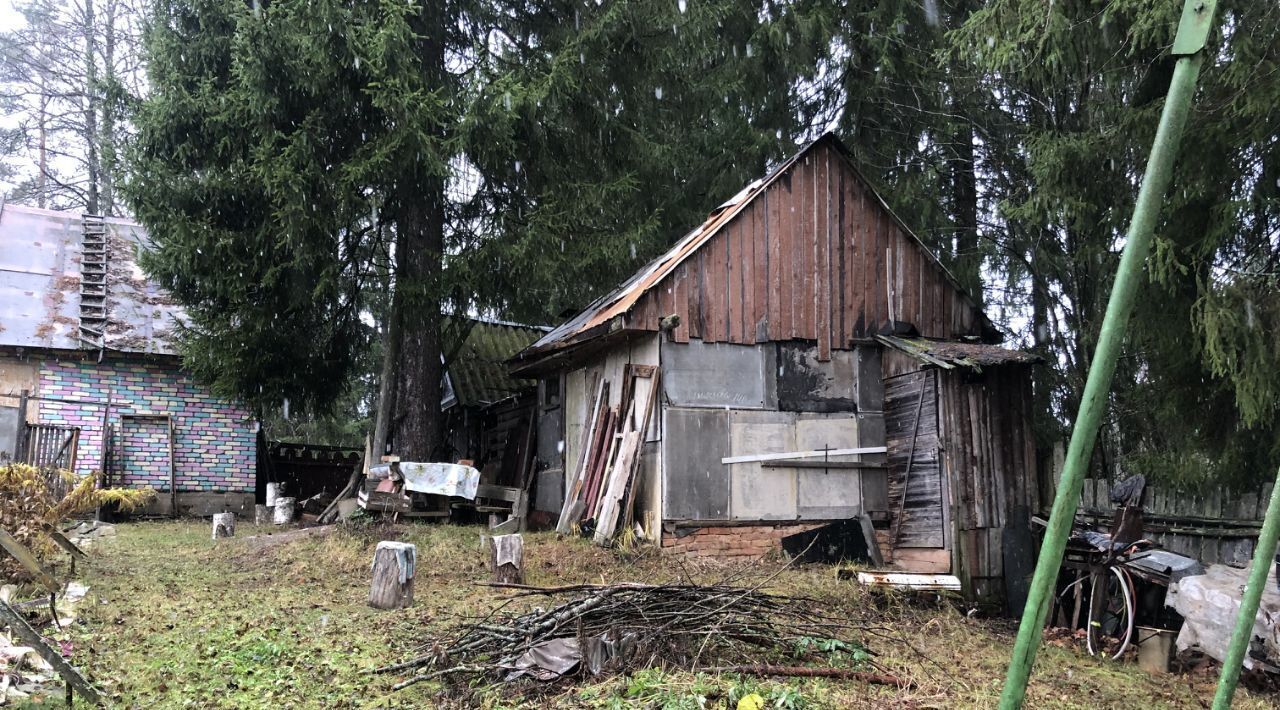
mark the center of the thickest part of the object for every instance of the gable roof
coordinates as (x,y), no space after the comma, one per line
(599,317)
(41,252)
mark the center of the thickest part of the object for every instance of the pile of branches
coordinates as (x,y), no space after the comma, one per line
(618,627)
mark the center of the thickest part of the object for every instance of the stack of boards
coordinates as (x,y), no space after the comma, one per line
(602,491)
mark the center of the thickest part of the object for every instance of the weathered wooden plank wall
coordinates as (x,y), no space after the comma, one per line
(815,257)
(1214,527)
(989,453)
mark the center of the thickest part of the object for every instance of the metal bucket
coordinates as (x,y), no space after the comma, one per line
(1155,648)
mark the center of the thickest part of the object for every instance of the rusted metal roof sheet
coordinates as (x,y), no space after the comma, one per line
(40,256)
(950,354)
(796,204)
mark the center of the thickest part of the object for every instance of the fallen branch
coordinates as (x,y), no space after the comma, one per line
(33,639)
(436,674)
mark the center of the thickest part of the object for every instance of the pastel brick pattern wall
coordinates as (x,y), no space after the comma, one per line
(732,540)
(215,445)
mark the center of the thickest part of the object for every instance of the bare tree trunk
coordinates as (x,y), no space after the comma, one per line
(106,137)
(387,389)
(92,204)
(964,181)
(420,370)
(42,179)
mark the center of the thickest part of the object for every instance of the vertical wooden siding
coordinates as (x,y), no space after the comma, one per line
(990,459)
(814,257)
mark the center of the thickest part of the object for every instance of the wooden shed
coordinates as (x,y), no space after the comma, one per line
(761,325)
(962,462)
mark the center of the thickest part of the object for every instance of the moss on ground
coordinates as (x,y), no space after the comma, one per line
(177,620)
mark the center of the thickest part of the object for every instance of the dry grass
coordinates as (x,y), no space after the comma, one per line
(182,621)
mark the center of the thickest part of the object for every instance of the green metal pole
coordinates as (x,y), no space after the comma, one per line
(1196,20)
(1263,559)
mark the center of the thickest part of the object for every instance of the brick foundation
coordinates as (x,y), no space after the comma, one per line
(732,541)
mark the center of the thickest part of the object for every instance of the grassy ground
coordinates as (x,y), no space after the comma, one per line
(175,620)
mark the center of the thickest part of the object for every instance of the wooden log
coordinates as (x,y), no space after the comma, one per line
(506,559)
(393,570)
(283,512)
(263,514)
(224,525)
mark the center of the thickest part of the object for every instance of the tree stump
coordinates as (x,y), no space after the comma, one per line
(275,491)
(283,514)
(393,567)
(224,525)
(506,559)
(263,514)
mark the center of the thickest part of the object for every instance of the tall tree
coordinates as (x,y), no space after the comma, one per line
(68,72)
(1079,92)
(511,157)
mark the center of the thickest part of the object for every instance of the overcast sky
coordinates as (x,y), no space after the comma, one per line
(8,17)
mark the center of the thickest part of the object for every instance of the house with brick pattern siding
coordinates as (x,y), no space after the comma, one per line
(88,340)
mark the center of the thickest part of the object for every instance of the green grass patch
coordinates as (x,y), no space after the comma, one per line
(176,620)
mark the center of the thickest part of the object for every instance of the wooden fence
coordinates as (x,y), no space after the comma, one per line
(1215,527)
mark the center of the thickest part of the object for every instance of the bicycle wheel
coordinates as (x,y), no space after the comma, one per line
(1111,613)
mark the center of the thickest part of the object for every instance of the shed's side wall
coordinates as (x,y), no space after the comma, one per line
(815,257)
(215,447)
(580,386)
(727,400)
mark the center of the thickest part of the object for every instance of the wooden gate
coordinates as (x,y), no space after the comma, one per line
(50,446)
(916,487)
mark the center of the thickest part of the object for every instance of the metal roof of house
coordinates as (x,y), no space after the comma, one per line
(40,255)
(597,316)
(478,373)
(949,354)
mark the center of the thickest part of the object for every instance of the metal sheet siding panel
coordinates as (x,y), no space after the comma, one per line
(696,485)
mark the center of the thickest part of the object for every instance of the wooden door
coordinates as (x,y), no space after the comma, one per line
(918,519)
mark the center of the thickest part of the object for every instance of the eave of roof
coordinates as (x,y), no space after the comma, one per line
(478,371)
(950,354)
